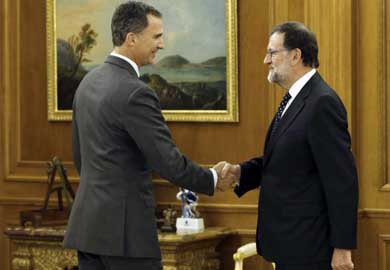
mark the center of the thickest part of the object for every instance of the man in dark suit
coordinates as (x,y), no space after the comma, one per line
(119,137)
(307,174)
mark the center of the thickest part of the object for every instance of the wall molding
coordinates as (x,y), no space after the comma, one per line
(207,207)
(374,213)
(246,232)
(218,207)
(212,207)
(29,178)
(12,134)
(22,201)
(27,171)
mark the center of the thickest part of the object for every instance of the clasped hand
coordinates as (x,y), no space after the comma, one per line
(228,175)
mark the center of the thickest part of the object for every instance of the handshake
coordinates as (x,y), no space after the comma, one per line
(228,175)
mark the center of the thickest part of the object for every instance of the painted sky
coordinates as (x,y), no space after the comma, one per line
(193,29)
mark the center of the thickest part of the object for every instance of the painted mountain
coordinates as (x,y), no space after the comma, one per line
(182,85)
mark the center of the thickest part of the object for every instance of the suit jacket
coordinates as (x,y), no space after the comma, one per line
(119,137)
(308,179)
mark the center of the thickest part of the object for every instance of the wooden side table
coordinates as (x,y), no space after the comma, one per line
(41,249)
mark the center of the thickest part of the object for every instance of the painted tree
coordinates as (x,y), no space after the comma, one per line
(81,45)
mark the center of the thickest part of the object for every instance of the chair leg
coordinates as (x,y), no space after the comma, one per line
(238,265)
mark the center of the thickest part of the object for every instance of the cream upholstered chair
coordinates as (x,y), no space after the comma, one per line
(243,252)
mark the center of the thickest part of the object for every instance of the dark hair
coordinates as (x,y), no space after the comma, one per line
(130,17)
(297,35)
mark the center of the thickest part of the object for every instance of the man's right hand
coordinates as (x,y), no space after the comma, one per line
(228,174)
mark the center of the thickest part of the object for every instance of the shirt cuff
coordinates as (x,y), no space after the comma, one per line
(215,176)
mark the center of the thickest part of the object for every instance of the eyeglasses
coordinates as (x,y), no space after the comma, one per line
(271,53)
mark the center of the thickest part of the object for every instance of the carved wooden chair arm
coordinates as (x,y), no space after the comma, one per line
(244,252)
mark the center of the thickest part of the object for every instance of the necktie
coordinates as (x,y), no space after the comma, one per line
(279,113)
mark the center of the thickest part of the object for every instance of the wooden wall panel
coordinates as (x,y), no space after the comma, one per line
(374,240)
(332,23)
(373,102)
(354,43)
(372,53)
(370,153)
(386,120)
(384,251)
(384,80)
(3,75)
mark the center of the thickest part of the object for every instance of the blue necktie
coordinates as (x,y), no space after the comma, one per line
(279,113)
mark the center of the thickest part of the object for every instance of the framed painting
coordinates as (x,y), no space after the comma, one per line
(195,76)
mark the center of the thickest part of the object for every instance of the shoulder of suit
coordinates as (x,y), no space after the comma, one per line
(136,89)
(327,97)
(125,85)
(321,88)
(322,92)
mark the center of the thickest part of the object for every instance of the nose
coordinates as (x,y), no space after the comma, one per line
(267,59)
(161,44)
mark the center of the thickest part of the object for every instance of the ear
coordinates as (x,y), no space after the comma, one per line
(131,39)
(296,56)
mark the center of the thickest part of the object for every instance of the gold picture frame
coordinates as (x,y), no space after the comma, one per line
(230,112)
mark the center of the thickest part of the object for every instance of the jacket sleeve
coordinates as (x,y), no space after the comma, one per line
(330,143)
(144,122)
(75,140)
(251,174)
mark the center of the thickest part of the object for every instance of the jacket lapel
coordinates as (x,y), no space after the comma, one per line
(289,116)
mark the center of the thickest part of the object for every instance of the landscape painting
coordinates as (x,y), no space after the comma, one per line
(195,75)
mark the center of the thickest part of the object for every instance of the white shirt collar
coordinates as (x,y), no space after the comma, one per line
(300,83)
(128,60)
(297,87)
